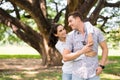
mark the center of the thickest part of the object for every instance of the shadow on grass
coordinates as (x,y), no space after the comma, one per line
(113,66)
(31,75)
(112,69)
(111,72)
(108,79)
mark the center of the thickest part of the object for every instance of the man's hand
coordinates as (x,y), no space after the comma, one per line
(98,70)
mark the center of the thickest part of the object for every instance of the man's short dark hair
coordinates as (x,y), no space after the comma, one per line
(76,14)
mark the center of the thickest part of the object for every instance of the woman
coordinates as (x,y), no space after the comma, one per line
(57,39)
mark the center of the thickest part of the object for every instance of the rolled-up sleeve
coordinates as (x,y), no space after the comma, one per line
(101,37)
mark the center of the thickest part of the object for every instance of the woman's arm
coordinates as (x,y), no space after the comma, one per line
(89,28)
(90,41)
(67,55)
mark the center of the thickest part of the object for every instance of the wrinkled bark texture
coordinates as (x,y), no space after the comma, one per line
(37,11)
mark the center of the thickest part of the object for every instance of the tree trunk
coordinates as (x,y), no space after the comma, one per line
(32,38)
(83,6)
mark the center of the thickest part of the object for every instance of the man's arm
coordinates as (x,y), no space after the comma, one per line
(103,60)
(104,47)
(67,55)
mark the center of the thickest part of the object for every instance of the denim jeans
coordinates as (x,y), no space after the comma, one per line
(74,77)
(66,76)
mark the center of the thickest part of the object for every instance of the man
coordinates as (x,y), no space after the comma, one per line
(85,68)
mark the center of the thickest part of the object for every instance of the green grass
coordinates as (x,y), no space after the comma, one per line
(47,75)
(19,56)
(111,71)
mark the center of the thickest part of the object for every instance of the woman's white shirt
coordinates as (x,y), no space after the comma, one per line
(67,66)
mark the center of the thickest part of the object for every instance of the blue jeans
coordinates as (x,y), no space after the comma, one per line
(66,76)
(74,77)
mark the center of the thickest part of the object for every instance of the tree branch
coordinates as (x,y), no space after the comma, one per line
(105,20)
(93,17)
(43,7)
(21,30)
(56,6)
(16,10)
(33,8)
(1,1)
(21,3)
(86,7)
(117,4)
(57,17)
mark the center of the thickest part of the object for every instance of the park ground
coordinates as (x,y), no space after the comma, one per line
(31,68)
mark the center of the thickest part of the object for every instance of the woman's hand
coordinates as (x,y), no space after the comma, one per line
(91,54)
(86,49)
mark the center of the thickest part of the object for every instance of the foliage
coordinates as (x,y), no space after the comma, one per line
(114,38)
(112,26)
(55,6)
(52,9)
(7,35)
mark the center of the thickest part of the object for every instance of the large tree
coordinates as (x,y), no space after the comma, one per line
(37,10)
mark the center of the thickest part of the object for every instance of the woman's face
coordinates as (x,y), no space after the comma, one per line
(61,32)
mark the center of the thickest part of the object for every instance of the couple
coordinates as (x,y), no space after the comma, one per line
(79,49)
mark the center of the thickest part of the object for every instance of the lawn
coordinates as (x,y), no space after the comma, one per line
(111,72)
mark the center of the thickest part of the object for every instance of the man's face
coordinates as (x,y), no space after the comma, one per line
(72,22)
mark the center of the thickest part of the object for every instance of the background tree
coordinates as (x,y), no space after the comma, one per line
(39,12)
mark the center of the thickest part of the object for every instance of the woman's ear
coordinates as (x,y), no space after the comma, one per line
(55,35)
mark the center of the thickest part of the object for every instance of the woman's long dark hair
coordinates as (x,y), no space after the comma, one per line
(52,38)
